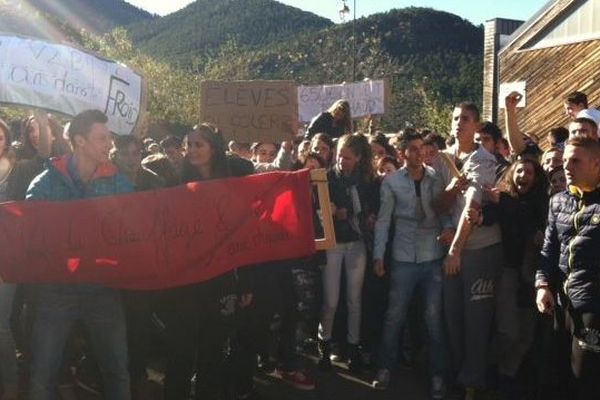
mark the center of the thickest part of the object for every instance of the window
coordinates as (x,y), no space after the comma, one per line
(580,24)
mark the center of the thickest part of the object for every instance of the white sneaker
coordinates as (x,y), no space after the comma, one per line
(382,379)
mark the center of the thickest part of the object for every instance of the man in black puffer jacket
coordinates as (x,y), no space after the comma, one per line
(570,265)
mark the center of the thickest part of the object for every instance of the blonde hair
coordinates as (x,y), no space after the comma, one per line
(344,107)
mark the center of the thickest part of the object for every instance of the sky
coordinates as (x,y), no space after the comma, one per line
(476,11)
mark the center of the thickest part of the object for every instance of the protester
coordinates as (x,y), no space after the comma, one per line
(323,145)
(200,317)
(557,180)
(87,173)
(335,122)
(521,209)
(380,147)
(8,358)
(171,146)
(127,156)
(267,158)
(558,136)
(387,166)
(351,191)
(551,159)
(488,135)
(302,151)
(568,279)
(475,256)
(576,106)
(583,127)
(407,197)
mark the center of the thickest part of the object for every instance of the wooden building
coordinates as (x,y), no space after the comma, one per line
(554,53)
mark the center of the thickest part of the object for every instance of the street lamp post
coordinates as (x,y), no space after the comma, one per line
(343,11)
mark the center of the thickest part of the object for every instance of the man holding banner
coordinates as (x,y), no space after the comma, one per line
(87,173)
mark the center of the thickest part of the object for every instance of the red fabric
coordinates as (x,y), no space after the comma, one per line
(159,239)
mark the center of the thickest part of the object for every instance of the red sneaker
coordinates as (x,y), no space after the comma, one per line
(298,380)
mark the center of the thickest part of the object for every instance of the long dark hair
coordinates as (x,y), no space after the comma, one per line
(538,190)
(359,145)
(325,138)
(219,167)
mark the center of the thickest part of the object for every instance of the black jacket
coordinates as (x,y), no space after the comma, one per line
(323,123)
(339,191)
(571,251)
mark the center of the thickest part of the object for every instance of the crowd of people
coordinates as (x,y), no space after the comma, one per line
(477,240)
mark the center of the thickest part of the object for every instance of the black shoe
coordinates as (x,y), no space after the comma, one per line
(324,355)
(355,360)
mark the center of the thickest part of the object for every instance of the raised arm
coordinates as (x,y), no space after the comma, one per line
(515,136)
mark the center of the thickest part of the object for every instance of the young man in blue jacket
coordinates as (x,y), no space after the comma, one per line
(85,174)
(407,197)
(568,280)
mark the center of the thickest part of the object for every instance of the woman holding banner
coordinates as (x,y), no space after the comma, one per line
(8,358)
(335,122)
(199,317)
(15,176)
(354,205)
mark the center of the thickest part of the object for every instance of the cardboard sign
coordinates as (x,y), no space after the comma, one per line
(365,98)
(66,80)
(159,239)
(251,111)
(507,88)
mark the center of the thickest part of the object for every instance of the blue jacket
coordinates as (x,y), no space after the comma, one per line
(415,238)
(571,251)
(60,181)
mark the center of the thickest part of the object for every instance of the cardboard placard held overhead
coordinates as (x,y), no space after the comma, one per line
(67,80)
(251,111)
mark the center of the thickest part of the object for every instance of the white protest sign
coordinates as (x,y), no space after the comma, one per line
(67,80)
(507,88)
(365,98)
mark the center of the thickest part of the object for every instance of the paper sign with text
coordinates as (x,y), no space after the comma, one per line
(251,111)
(159,239)
(365,98)
(67,80)
(507,88)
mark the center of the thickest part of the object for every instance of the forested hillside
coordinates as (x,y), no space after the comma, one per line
(430,58)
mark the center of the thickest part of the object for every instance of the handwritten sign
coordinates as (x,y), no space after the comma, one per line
(159,239)
(63,79)
(507,88)
(251,111)
(365,98)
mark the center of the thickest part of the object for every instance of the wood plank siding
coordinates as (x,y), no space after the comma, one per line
(493,29)
(550,73)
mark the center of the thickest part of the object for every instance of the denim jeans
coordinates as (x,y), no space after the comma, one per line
(101,312)
(353,255)
(405,277)
(8,355)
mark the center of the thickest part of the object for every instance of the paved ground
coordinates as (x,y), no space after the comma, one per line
(407,384)
(341,384)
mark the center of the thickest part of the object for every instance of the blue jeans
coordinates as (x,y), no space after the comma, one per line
(8,354)
(405,277)
(101,312)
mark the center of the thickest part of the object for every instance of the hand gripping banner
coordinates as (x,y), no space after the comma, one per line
(159,239)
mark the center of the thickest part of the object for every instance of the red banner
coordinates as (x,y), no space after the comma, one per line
(159,239)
